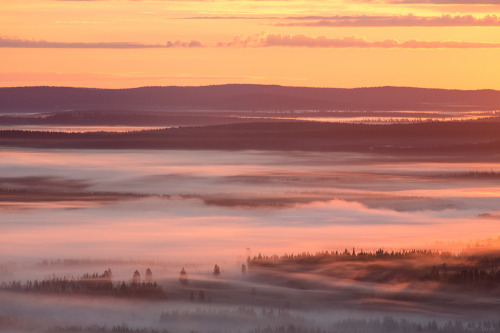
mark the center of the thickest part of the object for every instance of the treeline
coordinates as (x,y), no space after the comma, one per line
(417,138)
(360,255)
(15,325)
(475,270)
(91,284)
(221,314)
(471,275)
(103,285)
(199,118)
(275,322)
(388,325)
(124,118)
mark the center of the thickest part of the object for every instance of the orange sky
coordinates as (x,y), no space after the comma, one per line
(338,43)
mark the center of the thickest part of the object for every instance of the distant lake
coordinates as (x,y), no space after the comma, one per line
(376,117)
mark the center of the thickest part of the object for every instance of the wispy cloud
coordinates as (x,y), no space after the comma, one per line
(82,22)
(177,43)
(395,21)
(446,2)
(25,43)
(408,20)
(278,40)
(42,77)
(437,2)
(451,2)
(257,41)
(219,17)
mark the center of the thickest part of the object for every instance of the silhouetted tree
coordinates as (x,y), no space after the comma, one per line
(108,274)
(183,279)
(149,276)
(123,288)
(136,279)
(243,269)
(216,270)
(201,296)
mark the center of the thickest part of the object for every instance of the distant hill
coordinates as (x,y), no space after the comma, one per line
(244,97)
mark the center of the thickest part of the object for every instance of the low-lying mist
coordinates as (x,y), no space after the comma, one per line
(205,205)
(399,291)
(67,216)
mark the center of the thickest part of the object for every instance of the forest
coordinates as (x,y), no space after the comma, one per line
(481,270)
(222,298)
(416,139)
(476,270)
(91,284)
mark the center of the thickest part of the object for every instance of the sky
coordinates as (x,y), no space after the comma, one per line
(453,44)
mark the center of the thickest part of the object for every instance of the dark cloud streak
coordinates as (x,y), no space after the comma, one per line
(277,40)
(433,2)
(24,43)
(409,20)
(446,2)
(258,41)
(397,21)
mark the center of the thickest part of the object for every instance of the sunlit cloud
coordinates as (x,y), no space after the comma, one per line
(258,41)
(42,77)
(278,40)
(408,20)
(396,21)
(25,43)
(438,2)
(82,22)
(451,2)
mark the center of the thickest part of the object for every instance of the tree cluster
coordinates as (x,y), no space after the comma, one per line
(465,275)
(92,284)
(329,256)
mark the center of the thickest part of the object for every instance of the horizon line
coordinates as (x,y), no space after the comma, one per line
(248,84)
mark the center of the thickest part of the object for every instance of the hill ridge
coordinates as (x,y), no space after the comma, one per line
(246,97)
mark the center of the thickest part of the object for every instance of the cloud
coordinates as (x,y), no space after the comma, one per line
(409,20)
(397,21)
(26,43)
(436,2)
(256,41)
(447,2)
(46,77)
(277,40)
(82,22)
(439,2)
(193,43)
(230,18)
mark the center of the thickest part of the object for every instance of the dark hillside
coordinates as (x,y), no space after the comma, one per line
(418,138)
(244,97)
